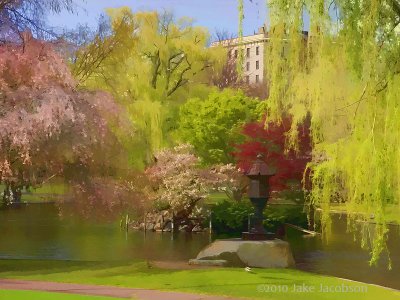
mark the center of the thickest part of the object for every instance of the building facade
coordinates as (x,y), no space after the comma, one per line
(253,47)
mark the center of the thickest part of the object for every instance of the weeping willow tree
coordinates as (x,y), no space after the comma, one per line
(240,59)
(343,76)
(151,63)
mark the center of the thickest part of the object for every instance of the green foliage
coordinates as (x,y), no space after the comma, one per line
(277,215)
(231,217)
(212,125)
(151,63)
(346,78)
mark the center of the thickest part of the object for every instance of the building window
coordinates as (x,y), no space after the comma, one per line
(247,79)
(248,52)
(257,78)
(257,65)
(236,53)
(257,50)
(248,66)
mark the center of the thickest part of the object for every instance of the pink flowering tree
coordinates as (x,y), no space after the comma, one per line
(179,183)
(48,127)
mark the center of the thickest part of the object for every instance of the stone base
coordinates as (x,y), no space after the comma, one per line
(205,262)
(239,253)
(253,236)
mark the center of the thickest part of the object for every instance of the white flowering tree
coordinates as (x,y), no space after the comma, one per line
(180,183)
(230,180)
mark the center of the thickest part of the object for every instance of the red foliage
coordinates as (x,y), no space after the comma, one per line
(271,143)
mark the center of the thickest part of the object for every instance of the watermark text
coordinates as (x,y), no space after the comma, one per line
(306,288)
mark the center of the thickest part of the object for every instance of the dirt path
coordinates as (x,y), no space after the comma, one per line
(99,290)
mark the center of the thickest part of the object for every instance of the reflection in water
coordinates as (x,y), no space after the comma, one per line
(36,232)
(343,257)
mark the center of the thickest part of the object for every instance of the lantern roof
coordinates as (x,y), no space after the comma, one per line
(259,167)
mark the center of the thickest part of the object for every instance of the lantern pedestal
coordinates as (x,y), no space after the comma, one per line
(257,231)
(254,236)
(258,193)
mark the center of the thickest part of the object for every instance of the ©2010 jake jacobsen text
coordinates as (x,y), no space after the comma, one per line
(304,288)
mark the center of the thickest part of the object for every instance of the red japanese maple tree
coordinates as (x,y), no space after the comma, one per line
(270,142)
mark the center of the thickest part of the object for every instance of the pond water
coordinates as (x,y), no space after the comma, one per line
(36,232)
(343,257)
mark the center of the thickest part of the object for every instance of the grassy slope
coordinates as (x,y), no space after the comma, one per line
(230,282)
(215,197)
(392,212)
(282,197)
(47,192)
(33,295)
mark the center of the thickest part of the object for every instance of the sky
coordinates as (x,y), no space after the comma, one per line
(213,14)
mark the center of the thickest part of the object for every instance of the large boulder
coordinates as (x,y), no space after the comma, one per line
(239,253)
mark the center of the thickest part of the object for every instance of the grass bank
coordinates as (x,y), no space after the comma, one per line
(274,284)
(33,295)
(46,193)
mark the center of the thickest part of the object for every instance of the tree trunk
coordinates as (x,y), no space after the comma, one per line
(12,194)
(6,195)
(237,195)
(17,194)
(311,217)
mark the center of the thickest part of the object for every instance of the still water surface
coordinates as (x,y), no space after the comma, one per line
(36,232)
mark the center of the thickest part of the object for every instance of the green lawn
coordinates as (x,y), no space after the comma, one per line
(33,295)
(392,212)
(234,282)
(47,192)
(215,198)
(281,197)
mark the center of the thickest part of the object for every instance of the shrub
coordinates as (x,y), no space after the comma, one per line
(276,215)
(232,217)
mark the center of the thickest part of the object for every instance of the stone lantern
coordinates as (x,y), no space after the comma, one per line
(257,248)
(258,193)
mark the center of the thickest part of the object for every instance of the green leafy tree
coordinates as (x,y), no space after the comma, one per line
(212,125)
(348,83)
